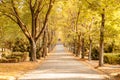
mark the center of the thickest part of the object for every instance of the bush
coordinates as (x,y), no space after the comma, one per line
(108,48)
(15,57)
(95,53)
(20,45)
(6,53)
(3,60)
(20,56)
(111,58)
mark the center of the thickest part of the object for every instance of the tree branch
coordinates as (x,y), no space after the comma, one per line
(10,17)
(88,2)
(35,4)
(45,21)
(78,14)
(39,9)
(31,7)
(19,22)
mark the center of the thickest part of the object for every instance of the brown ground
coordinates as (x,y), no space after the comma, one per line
(16,69)
(111,70)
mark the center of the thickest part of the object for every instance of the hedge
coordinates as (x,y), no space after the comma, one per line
(15,57)
(112,58)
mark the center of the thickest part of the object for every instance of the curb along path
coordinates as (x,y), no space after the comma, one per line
(62,66)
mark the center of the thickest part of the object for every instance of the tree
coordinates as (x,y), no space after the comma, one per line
(102,7)
(35,7)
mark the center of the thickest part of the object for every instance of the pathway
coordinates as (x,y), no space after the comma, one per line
(62,66)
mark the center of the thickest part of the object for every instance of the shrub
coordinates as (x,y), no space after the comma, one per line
(6,53)
(23,56)
(108,48)
(20,45)
(15,57)
(18,58)
(95,53)
(111,58)
(3,60)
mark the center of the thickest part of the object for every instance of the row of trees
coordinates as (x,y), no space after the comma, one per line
(86,25)
(91,24)
(28,20)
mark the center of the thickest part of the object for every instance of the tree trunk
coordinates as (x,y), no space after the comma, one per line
(102,39)
(74,51)
(49,39)
(33,50)
(79,46)
(90,48)
(45,44)
(83,49)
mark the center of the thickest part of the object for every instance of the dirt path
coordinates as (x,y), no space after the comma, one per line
(62,66)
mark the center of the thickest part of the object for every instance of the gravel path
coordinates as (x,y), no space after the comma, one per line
(62,66)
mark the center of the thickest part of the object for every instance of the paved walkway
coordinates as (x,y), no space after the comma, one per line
(62,66)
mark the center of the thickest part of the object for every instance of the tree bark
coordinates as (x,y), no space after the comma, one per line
(74,50)
(90,48)
(50,39)
(102,39)
(33,50)
(79,46)
(45,44)
(83,49)
(49,42)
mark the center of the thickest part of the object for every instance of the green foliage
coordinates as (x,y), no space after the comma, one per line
(112,58)
(108,48)
(20,45)
(14,57)
(63,20)
(95,53)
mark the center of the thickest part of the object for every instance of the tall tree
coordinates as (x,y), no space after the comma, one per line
(101,7)
(102,38)
(35,6)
